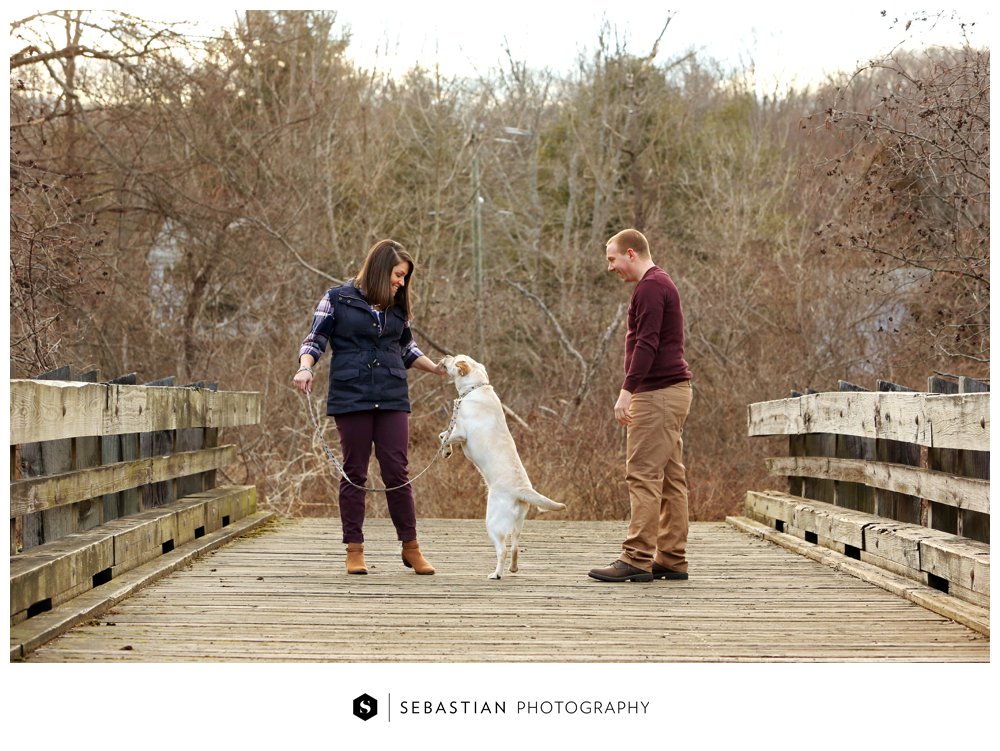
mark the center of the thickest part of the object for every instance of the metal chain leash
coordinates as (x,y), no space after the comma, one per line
(313,416)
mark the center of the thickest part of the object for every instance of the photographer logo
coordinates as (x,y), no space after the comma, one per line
(365,707)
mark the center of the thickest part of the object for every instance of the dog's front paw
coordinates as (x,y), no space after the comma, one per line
(494,575)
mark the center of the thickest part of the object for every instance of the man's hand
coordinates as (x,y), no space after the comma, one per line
(622,408)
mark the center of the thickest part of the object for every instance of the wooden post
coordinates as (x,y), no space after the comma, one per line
(853,495)
(819,444)
(189,439)
(51,457)
(903,508)
(16,540)
(121,448)
(87,453)
(973,524)
(796,447)
(937,515)
(158,443)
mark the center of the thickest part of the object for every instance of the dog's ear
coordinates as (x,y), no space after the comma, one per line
(463,367)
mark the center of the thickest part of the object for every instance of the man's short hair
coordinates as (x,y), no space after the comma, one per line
(630,238)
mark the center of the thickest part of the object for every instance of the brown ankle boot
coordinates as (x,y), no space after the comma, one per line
(356,558)
(413,558)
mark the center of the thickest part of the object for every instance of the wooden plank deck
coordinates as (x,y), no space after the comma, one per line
(281,595)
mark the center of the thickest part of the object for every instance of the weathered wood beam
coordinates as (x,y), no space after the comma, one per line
(35,494)
(964,563)
(51,410)
(960,492)
(28,635)
(959,421)
(962,611)
(59,571)
(959,561)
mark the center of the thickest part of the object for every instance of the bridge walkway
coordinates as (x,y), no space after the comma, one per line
(280,594)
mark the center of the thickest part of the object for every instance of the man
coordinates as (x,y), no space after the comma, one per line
(653,404)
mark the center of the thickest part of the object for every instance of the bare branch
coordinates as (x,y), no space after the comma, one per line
(563,339)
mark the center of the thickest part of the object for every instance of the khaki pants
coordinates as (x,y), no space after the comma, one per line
(657,479)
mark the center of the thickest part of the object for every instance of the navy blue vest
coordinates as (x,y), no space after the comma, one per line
(366,370)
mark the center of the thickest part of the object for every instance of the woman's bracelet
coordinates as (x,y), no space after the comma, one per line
(304,367)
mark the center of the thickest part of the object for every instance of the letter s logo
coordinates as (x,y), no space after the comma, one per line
(365,707)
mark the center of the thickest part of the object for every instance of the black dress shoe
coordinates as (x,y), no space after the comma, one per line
(619,571)
(662,572)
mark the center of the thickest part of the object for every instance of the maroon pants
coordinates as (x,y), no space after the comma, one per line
(389,431)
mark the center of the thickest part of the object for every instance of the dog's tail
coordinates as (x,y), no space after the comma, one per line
(540,501)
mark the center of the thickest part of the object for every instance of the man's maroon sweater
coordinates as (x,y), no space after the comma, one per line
(654,344)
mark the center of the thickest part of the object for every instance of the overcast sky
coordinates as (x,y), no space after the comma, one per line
(785,41)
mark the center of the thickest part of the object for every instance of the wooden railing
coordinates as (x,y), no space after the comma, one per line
(106,477)
(895,478)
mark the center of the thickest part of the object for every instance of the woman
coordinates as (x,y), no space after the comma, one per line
(367,325)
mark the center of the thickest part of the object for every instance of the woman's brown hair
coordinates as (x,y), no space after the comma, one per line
(375,278)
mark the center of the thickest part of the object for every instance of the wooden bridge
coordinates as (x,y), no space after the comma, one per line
(280,594)
(155,563)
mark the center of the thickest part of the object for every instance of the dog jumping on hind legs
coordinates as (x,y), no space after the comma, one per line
(479,425)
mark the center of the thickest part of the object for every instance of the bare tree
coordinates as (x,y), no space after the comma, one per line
(59,241)
(917,168)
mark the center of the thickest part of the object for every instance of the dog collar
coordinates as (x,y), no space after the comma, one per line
(466,392)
